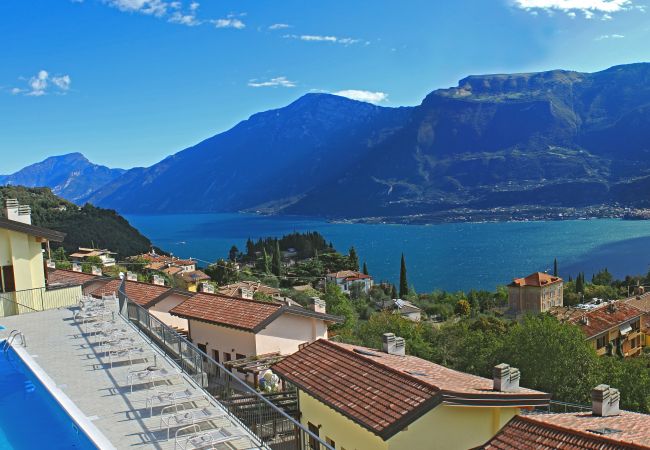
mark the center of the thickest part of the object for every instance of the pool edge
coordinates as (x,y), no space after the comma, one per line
(88,428)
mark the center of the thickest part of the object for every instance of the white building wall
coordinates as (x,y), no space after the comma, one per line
(287,332)
(161,311)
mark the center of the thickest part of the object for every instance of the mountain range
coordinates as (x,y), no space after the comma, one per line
(556,138)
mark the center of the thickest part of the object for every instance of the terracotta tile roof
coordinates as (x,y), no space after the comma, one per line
(61,276)
(172,270)
(155,265)
(194,276)
(383,392)
(600,319)
(348,274)
(537,279)
(232,312)
(144,294)
(572,431)
(642,302)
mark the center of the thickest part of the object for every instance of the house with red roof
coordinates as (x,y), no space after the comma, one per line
(605,427)
(534,294)
(232,328)
(356,397)
(347,279)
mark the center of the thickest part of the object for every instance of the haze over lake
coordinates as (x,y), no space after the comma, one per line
(449,256)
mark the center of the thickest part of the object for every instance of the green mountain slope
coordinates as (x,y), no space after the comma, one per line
(85,226)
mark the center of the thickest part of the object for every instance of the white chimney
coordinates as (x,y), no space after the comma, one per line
(96,271)
(207,288)
(76,267)
(246,293)
(17,212)
(130,276)
(605,401)
(506,378)
(158,280)
(388,342)
(318,305)
(400,346)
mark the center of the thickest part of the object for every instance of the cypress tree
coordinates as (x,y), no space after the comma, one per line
(250,248)
(393,291)
(403,282)
(365,268)
(580,283)
(555,267)
(266,262)
(354,259)
(276,263)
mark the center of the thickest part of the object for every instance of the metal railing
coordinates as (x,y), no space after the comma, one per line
(559,407)
(38,299)
(274,428)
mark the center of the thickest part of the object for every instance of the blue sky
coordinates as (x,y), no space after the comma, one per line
(128,82)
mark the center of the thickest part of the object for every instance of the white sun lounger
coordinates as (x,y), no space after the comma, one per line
(189,417)
(151,376)
(170,398)
(130,353)
(206,439)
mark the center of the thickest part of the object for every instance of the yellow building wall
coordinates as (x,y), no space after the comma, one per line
(345,433)
(445,427)
(24,253)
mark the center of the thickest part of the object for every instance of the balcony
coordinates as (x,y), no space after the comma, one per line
(38,299)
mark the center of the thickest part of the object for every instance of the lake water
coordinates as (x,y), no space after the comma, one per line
(448,256)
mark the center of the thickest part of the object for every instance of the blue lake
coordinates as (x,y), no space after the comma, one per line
(448,256)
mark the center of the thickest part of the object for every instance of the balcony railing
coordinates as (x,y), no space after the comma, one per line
(274,428)
(38,299)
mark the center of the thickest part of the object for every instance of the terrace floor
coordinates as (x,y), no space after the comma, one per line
(79,368)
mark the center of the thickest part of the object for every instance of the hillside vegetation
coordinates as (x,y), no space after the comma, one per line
(85,226)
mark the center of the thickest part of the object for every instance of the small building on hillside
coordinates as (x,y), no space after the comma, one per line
(605,427)
(404,308)
(106,256)
(193,279)
(247,289)
(612,328)
(360,398)
(534,294)
(232,328)
(347,279)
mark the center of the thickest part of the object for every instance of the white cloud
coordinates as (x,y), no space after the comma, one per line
(321,38)
(363,96)
(40,84)
(194,6)
(184,19)
(273,82)
(279,26)
(230,22)
(571,14)
(610,36)
(150,7)
(587,7)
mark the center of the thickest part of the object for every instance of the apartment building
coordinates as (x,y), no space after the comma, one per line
(534,294)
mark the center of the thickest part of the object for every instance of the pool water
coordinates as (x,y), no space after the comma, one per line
(30,417)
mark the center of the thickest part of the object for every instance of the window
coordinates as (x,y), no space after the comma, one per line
(239,356)
(215,355)
(227,356)
(601,342)
(636,325)
(8,281)
(203,347)
(313,443)
(330,442)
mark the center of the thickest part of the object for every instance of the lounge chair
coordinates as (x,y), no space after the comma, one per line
(206,439)
(183,417)
(151,376)
(130,353)
(170,398)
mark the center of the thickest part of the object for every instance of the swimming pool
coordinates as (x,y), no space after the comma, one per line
(30,416)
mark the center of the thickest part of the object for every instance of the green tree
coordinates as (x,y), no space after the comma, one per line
(393,291)
(340,305)
(463,308)
(276,263)
(250,248)
(354,259)
(580,286)
(552,357)
(416,334)
(403,282)
(222,272)
(602,278)
(232,254)
(555,267)
(365,268)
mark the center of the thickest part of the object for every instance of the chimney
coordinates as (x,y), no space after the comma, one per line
(318,305)
(158,280)
(400,347)
(246,293)
(96,271)
(506,378)
(17,212)
(605,401)
(51,264)
(130,276)
(207,288)
(76,267)
(388,342)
